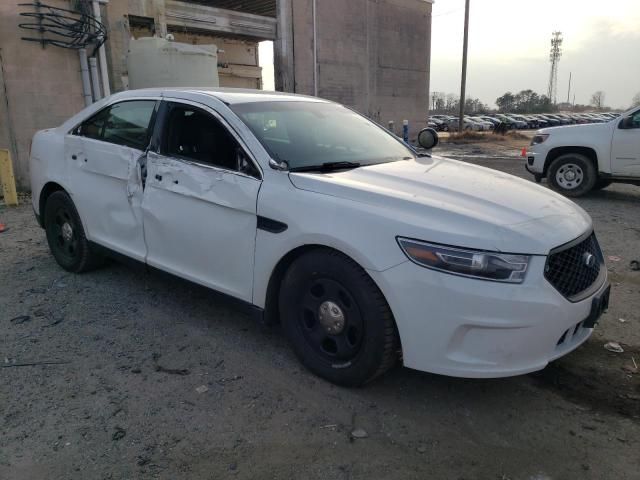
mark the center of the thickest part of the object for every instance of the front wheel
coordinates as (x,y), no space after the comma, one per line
(572,175)
(337,319)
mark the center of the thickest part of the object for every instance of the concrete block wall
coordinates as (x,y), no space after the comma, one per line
(39,87)
(373,55)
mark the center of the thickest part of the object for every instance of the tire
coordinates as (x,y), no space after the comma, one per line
(572,175)
(65,235)
(602,183)
(355,340)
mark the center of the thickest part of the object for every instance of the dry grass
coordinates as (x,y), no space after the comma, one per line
(474,137)
(517,136)
(477,137)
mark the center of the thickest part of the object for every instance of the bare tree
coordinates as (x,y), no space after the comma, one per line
(636,100)
(597,99)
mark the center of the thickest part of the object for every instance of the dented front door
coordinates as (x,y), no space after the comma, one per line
(200,223)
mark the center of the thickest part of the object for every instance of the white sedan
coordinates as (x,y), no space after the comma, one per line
(366,251)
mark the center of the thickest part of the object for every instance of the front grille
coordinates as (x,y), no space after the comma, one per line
(568,271)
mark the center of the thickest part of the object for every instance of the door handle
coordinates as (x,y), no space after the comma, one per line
(159,177)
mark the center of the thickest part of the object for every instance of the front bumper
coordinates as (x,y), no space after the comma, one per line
(534,162)
(473,328)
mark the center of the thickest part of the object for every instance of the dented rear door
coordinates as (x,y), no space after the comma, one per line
(105,177)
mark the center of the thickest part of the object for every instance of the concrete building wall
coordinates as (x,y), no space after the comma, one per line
(372,55)
(39,87)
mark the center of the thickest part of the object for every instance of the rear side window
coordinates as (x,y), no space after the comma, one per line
(124,123)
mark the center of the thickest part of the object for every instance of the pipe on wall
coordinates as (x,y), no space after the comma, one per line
(84,72)
(102,56)
(315,48)
(95,78)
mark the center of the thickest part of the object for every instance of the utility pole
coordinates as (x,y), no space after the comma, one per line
(569,91)
(463,84)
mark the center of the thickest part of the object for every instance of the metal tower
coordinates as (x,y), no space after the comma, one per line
(554,58)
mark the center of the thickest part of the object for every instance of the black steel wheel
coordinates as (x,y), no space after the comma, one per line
(65,235)
(331,321)
(336,318)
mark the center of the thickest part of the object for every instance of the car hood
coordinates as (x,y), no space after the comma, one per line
(456,203)
(588,128)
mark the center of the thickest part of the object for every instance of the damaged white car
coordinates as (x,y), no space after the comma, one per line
(368,252)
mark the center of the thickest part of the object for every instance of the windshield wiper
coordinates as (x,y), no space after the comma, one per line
(326,167)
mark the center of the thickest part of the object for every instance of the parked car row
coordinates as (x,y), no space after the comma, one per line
(444,123)
(517,121)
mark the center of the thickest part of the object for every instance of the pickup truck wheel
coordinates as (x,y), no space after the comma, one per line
(337,319)
(65,235)
(572,175)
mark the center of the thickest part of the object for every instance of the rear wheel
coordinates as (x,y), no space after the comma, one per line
(337,319)
(572,175)
(65,235)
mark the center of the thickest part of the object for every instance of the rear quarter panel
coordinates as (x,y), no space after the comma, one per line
(46,163)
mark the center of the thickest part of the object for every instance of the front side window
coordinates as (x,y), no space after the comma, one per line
(307,134)
(124,123)
(194,134)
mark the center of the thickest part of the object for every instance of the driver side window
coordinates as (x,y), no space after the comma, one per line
(194,134)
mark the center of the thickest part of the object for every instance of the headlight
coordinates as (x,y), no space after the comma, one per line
(540,138)
(498,267)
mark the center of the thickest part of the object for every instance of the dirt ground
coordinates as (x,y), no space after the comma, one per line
(139,375)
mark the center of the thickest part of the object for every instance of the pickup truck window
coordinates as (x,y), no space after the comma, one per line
(124,123)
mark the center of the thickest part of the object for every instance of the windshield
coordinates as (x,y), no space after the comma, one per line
(306,134)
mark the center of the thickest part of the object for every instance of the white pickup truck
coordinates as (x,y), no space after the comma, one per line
(577,159)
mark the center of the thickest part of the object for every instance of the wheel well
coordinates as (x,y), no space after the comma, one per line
(46,192)
(590,153)
(271,310)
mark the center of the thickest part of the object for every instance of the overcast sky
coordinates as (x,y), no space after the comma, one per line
(509,48)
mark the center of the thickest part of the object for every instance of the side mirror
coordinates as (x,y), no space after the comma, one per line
(428,138)
(626,123)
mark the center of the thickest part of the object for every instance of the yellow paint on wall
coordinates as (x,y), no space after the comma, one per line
(7,179)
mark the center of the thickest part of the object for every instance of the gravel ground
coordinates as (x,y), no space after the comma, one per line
(120,374)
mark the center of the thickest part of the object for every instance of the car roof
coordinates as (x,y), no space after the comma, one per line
(226,95)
